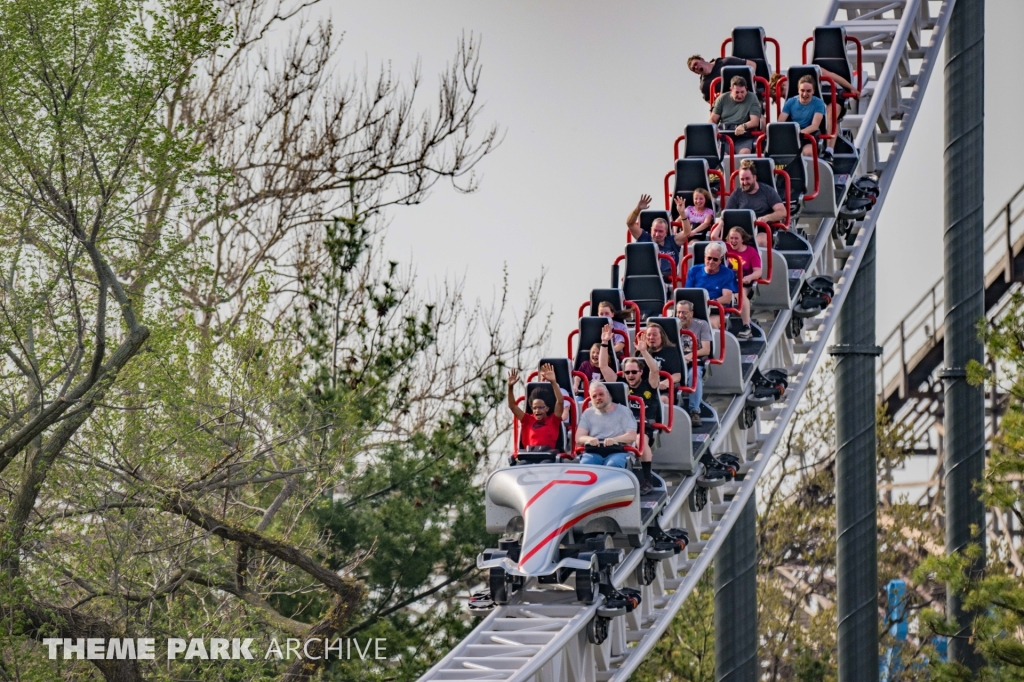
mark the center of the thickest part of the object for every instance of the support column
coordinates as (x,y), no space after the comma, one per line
(736,600)
(857,478)
(965,291)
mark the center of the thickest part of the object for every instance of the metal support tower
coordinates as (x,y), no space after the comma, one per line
(856,478)
(964,294)
(736,600)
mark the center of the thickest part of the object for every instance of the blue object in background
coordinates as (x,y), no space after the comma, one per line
(890,665)
(896,594)
(940,644)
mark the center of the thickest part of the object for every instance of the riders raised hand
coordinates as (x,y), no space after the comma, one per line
(547,372)
(641,342)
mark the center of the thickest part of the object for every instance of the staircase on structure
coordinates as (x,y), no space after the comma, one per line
(913,352)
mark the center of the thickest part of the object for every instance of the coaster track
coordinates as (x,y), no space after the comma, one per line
(541,635)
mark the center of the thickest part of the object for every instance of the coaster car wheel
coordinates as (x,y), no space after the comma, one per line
(712,478)
(794,327)
(588,580)
(597,630)
(659,552)
(855,208)
(715,466)
(499,586)
(865,186)
(748,417)
(698,498)
(802,311)
(481,601)
(632,597)
(730,461)
(679,537)
(620,603)
(647,571)
(754,400)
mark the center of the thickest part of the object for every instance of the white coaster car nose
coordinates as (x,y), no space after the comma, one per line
(550,499)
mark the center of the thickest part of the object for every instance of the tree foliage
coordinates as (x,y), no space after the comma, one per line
(686,652)
(997,598)
(268,431)
(796,559)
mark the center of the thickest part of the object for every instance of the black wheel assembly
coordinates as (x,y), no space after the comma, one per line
(499,586)
(794,327)
(748,417)
(698,498)
(597,630)
(646,572)
(588,582)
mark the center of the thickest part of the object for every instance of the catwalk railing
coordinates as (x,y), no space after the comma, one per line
(913,350)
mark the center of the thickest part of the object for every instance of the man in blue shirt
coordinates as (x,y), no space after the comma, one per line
(659,234)
(720,282)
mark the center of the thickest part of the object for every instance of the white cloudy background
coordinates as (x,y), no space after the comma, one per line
(591,96)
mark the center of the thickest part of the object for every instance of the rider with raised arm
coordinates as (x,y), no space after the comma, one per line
(667,244)
(700,213)
(643,384)
(606,309)
(589,368)
(540,431)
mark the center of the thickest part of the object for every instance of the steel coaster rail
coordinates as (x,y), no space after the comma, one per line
(542,663)
(795,390)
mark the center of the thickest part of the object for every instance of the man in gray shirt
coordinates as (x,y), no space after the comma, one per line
(702,330)
(738,112)
(606,425)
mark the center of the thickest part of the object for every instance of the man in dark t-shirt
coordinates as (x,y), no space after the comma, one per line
(666,244)
(760,198)
(668,361)
(709,71)
(702,330)
(642,385)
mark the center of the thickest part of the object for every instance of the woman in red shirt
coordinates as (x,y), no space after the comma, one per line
(539,429)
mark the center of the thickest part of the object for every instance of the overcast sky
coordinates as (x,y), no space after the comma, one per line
(591,96)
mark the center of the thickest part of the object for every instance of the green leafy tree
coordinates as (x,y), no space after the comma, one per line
(263,433)
(796,559)
(81,144)
(408,519)
(686,652)
(997,598)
